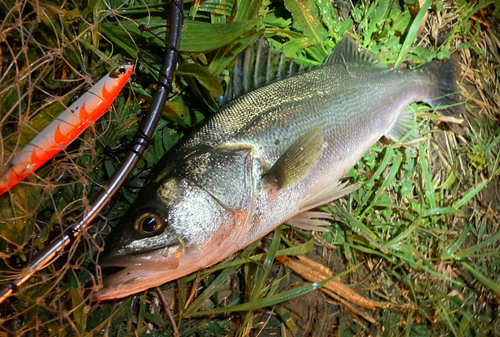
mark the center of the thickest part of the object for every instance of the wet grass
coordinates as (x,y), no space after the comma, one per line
(417,245)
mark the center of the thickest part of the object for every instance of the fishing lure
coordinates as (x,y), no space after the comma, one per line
(65,128)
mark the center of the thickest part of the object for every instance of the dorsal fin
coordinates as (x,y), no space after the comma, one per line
(259,65)
(347,52)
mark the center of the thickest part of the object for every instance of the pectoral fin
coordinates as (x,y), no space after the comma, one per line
(404,123)
(297,161)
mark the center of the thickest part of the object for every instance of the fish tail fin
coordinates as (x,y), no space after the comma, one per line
(448,98)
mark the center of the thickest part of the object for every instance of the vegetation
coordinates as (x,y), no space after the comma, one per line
(416,248)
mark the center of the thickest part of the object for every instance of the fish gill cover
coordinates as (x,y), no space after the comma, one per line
(415,249)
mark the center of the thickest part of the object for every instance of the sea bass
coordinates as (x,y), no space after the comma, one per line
(268,157)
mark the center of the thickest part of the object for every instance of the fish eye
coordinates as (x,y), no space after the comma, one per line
(149,223)
(122,70)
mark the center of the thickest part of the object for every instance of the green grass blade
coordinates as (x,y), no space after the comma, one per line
(259,283)
(457,244)
(489,241)
(295,250)
(387,181)
(274,299)
(481,278)
(427,177)
(412,33)
(476,8)
(355,224)
(441,210)
(209,291)
(416,265)
(471,194)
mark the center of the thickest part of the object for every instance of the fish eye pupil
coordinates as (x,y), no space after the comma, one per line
(122,70)
(149,224)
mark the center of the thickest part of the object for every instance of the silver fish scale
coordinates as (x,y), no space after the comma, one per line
(273,117)
(354,105)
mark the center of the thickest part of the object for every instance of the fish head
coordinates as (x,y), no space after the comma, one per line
(177,226)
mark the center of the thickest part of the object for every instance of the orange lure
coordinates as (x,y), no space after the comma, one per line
(65,128)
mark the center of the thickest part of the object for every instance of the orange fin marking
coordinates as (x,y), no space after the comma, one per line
(40,156)
(84,113)
(102,106)
(107,95)
(13,176)
(59,138)
(35,160)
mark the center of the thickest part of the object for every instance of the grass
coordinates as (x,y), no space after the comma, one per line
(420,240)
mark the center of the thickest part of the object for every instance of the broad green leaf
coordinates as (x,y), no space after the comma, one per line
(200,36)
(16,223)
(203,75)
(248,9)
(401,22)
(203,94)
(174,108)
(306,19)
(155,319)
(121,36)
(344,27)
(78,306)
(375,19)
(224,55)
(222,7)
(327,14)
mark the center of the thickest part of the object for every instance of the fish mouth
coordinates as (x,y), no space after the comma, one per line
(139,271)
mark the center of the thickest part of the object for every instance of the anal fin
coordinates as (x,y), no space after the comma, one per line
(402,125)
(311,221)
(298,159)
(328,194)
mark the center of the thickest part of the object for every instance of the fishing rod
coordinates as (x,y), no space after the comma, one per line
(48,253)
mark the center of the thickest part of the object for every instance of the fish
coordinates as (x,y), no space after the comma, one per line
(64,129)
(271,155)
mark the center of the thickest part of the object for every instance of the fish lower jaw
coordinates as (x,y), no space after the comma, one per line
(157,267)
(126,282)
